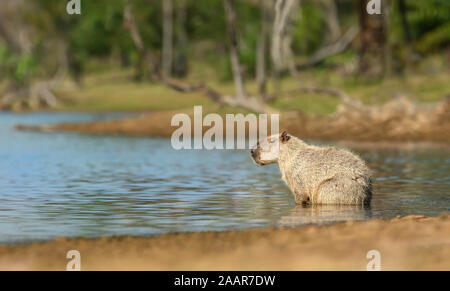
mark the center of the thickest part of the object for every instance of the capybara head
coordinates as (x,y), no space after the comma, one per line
(266,150)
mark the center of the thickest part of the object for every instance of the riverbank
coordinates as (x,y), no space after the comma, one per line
(399,120)
(407,243)
(412,109)
(116,90)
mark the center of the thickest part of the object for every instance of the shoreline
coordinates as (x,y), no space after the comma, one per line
(405,243)
(399,120)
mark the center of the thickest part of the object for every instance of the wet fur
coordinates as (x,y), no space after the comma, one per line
(321,175)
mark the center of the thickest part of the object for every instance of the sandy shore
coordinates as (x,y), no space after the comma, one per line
(408,243)
(396,121)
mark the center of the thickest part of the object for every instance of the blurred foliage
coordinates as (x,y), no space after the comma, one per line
(99,32)
(310,31)
(429,24)
(17,67)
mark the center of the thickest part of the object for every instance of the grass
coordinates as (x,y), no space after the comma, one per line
(117,91)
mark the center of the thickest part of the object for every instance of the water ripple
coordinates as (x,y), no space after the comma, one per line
(60,184)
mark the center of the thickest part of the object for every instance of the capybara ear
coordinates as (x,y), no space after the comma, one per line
(284,137)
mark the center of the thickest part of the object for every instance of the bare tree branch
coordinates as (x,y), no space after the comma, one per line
(234,50)
(346,99)
(243,101)
(130,24)
(333,49)
(332,19)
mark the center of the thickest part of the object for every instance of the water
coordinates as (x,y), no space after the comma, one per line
(69,184)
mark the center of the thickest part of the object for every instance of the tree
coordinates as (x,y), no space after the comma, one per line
(30,79)
(240,100)
(234,50)
(145,54)
(181,41)
(332,19)
(372,41)
(167,49)
(261,48)
(281,51)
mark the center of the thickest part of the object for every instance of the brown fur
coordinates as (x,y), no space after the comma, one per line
(319,175)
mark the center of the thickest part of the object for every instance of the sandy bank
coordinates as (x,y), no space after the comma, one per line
(410,243)
(399,120)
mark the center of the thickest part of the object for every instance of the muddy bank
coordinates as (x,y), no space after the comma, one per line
(397,121)
(408,243)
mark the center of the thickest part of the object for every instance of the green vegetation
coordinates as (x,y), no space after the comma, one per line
(117,91)
(109,60)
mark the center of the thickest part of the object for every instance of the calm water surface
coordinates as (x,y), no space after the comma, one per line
(69,184)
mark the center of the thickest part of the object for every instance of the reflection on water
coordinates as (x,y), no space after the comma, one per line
(321,214)
(68,184)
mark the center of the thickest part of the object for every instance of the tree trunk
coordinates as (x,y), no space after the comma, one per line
(405,26)
(332,19)
(403,10)
(252,104)
(234,50)
(167,49)
(146,55)
(180,60)
(261,49)
(281,52)
(372,42)
(386,9)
